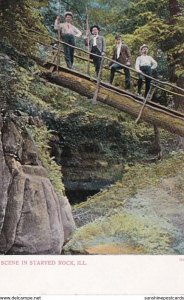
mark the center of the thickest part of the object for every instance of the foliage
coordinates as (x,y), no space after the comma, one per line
(157,23)
(15,90)
(17,18)
(42,136)
(79,9)
(8,78)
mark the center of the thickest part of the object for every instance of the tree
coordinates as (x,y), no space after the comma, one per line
(58,7)
(16,20)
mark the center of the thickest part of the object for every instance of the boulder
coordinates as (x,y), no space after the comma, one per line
(33,219)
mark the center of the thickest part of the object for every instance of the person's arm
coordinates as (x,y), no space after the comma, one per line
(57,24)
(153,63)
(77,32)
(128,63)
(137,65)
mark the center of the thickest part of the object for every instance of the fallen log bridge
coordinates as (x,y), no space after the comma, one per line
(153,113)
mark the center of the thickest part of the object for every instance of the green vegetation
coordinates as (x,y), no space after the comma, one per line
(123,216)
(17,18)
(138,231)
(136,177)
(42,136)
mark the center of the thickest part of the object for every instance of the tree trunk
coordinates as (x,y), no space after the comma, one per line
(122,102)
(174,10)
(174,40)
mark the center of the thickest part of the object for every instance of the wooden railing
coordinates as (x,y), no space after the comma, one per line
(156,82)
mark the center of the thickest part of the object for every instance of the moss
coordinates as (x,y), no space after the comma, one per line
(141,232)
(117,214)
(136,177)
(115,249)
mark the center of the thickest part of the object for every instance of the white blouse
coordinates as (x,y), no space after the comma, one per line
(145,60)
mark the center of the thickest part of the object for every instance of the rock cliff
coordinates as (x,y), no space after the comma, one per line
(33,219)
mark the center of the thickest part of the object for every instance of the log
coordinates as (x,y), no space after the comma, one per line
(123,102)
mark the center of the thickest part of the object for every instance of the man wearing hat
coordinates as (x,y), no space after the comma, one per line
(97,46)
(121,54)
(68,33)
(144,65)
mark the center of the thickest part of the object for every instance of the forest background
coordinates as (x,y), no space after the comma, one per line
(156,23)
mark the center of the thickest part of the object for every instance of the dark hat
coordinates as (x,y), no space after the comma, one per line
(94,26)
(68,13)
(143,46)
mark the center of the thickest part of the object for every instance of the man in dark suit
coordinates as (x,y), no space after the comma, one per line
(121,54)
(97,46)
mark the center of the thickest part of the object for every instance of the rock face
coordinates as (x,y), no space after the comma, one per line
(33,219)
(91,152)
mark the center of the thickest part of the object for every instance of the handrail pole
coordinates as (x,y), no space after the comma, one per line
(59,36)
(59,48)
(148,97)
(88,48)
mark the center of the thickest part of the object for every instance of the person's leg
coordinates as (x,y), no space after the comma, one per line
(114,67)
(127,78)
(93,51)
(67,55)
(111,75)
(147,86)
(98,62)
(72,55)
(72,42)
(96,59)
(147,81)
(67,51)
(139,83)
(94,62)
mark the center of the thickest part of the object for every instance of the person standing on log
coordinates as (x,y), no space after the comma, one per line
(68,34)
(144,65)
(121,54)
(97,46)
